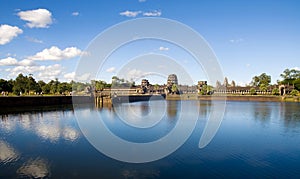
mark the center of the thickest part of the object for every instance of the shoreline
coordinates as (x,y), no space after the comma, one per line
(33,101)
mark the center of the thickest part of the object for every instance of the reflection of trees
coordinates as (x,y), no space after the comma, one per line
(172,107)
(290,114)
(262,112)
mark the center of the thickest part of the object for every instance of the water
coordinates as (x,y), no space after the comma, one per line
(255,139)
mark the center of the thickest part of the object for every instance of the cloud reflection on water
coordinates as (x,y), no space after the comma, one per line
(7,153)
(37,168)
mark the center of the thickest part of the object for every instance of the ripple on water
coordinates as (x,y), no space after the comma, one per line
(35,168)
(7,153)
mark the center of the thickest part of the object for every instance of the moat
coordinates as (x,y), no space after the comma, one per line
(255,139)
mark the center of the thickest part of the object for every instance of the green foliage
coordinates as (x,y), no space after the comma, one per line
(294,93)
(291,77)
(263,88)
(261,79)
(174,88)
(290,74)
(6,85)
(275,91)
(253,91)
(206,90)
(297,84)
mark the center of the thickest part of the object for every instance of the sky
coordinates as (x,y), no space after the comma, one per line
(48,38)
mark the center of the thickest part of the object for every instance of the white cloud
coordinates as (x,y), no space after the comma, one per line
(163,48)
(54,53)
(236,40)
(111,70)
(43,72)
(152,13)
(9,61)
(134,74)
(31,39)
(130,13)
(7,33)
(38,18)
(75,13)
(69,76)
(83,78)
(26,62)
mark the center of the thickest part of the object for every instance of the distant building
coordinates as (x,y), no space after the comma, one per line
(172,79)
(145,86)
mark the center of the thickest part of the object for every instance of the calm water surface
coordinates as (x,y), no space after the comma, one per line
(255,139)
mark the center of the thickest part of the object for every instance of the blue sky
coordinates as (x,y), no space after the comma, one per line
(248,37)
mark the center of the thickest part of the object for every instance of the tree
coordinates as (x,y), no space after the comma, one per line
(294,92)
(46,88)
(291,77)
(20,84)
(32,85)
(5,86)
(290,74)
(174,89)
(275,91)
(297,84)
(265,79)
(253,91)
(156,87)
(263,87)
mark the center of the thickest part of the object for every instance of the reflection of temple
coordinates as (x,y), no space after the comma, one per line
(172,108)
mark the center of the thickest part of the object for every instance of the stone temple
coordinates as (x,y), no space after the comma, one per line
(172,79)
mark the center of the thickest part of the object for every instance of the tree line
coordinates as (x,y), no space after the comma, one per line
(27,85)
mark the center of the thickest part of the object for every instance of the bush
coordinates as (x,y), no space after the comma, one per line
(275,91)
(294,92)
(253,91)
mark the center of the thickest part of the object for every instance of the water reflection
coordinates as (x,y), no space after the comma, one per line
(140,174)
(70,134)
(289,112)
(46,125)
(7,125)
(172,107)
(48,132)
(262,112)
(35,168)
(50,144)
(7,153)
